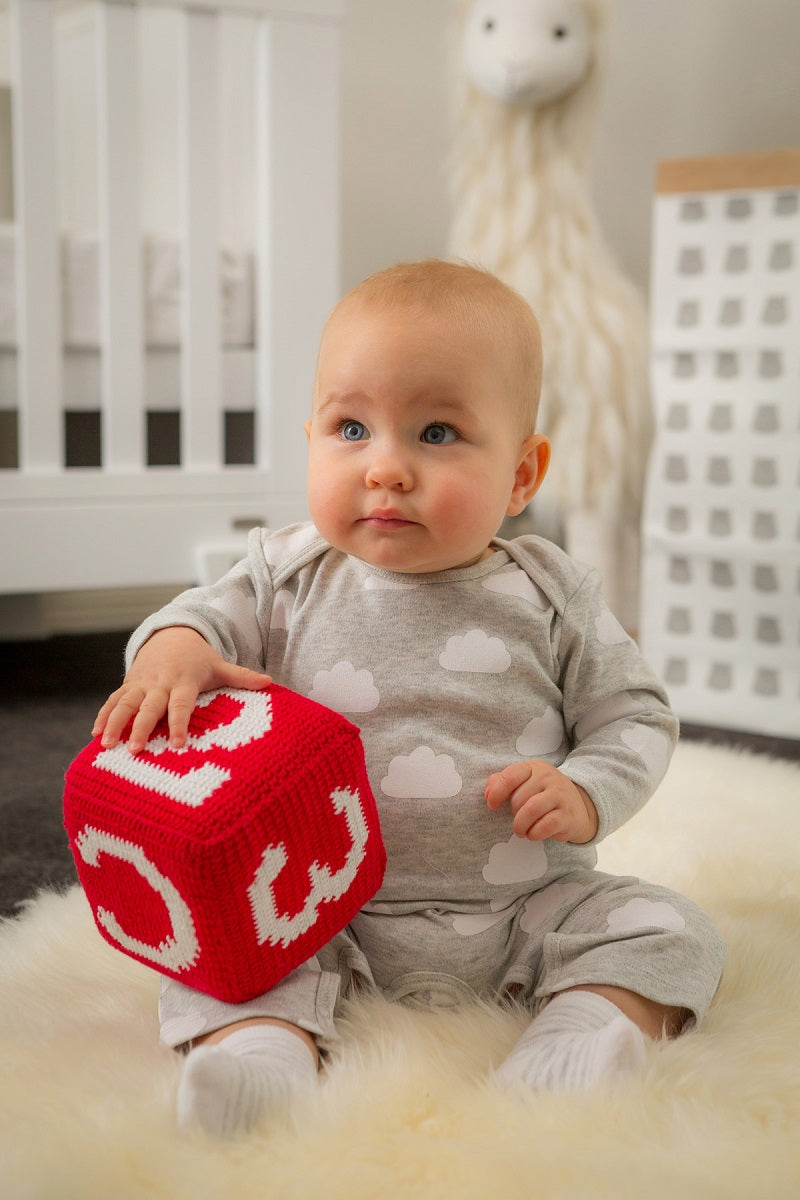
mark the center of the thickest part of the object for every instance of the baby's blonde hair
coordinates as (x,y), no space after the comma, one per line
(477,302)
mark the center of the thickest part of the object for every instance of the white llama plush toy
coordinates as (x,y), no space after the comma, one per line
(526,86)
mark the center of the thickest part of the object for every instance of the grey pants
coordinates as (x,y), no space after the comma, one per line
(586,927)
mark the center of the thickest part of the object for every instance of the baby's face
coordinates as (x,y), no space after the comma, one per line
(415,448)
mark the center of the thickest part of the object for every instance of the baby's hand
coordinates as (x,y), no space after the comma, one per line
(167,675)
(545,803)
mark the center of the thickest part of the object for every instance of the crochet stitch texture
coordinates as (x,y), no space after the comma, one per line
(229,863)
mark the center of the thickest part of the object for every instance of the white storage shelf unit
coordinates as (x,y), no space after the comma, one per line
(720,615)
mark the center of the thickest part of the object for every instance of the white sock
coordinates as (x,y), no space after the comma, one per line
(579,1039)
(225,1087)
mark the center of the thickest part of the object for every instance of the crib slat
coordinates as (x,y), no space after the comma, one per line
(37,268)
(201,360)
(298,239)
(120,241)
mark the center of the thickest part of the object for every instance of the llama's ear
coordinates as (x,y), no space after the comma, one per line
(531,470)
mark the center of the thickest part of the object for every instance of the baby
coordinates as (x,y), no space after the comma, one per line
(509,722)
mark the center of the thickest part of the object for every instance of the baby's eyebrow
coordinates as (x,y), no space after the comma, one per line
(340,400)
(429,405)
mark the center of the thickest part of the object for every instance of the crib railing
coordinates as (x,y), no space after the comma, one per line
(124,522)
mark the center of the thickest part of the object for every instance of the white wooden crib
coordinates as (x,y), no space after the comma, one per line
(153,384)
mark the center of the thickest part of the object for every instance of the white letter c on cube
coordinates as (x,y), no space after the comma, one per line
(176,952)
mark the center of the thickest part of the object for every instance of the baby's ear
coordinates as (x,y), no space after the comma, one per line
(307,427)
(531,470)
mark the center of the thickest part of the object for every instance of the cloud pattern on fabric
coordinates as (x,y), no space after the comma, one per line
(652,746)
(477,652)
(641,913)
(238,606)
(422,775)
(282,605)
(541,905)
(515,861)
(288,542)
(609,631)
(470,924)
(615,708)
(518,584)
(345,689)
(542,735)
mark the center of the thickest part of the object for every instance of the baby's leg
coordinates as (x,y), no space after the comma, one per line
(234,1075)
(625,961)
(247,1058)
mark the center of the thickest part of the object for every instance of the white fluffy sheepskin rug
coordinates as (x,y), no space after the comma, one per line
(87,1094)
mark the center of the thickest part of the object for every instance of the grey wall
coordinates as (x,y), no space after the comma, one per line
(685,77)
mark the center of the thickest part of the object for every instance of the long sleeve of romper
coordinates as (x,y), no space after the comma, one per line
(615,711)
(233,615)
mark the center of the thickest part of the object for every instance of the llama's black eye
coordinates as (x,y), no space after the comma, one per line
(488,25)
(560,31)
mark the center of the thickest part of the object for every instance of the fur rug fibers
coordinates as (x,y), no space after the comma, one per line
(87,1093)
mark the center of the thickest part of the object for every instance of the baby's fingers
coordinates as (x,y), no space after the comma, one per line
(116,714)
(178,704)
(232,675)
(503,784)
(104,713)
(180,707)
(537,821)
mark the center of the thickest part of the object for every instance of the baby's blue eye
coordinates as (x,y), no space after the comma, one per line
(353,431)
(438,435)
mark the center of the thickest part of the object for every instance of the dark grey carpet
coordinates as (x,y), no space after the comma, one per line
(51,692)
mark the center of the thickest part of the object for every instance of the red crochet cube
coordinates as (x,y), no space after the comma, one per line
(231,862)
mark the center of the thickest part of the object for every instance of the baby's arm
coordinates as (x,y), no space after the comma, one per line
(544,801)
(618,727)
(168,673)
(206,638)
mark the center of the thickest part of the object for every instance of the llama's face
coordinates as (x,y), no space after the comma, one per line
(526,51)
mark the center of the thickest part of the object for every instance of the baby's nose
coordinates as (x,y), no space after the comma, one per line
(390,468)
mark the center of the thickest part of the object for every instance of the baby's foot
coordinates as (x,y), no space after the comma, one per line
(578,1040)
(227,1086)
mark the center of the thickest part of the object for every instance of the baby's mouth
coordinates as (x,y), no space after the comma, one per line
(387,519)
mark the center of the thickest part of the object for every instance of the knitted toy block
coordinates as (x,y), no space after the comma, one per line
(229,863)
